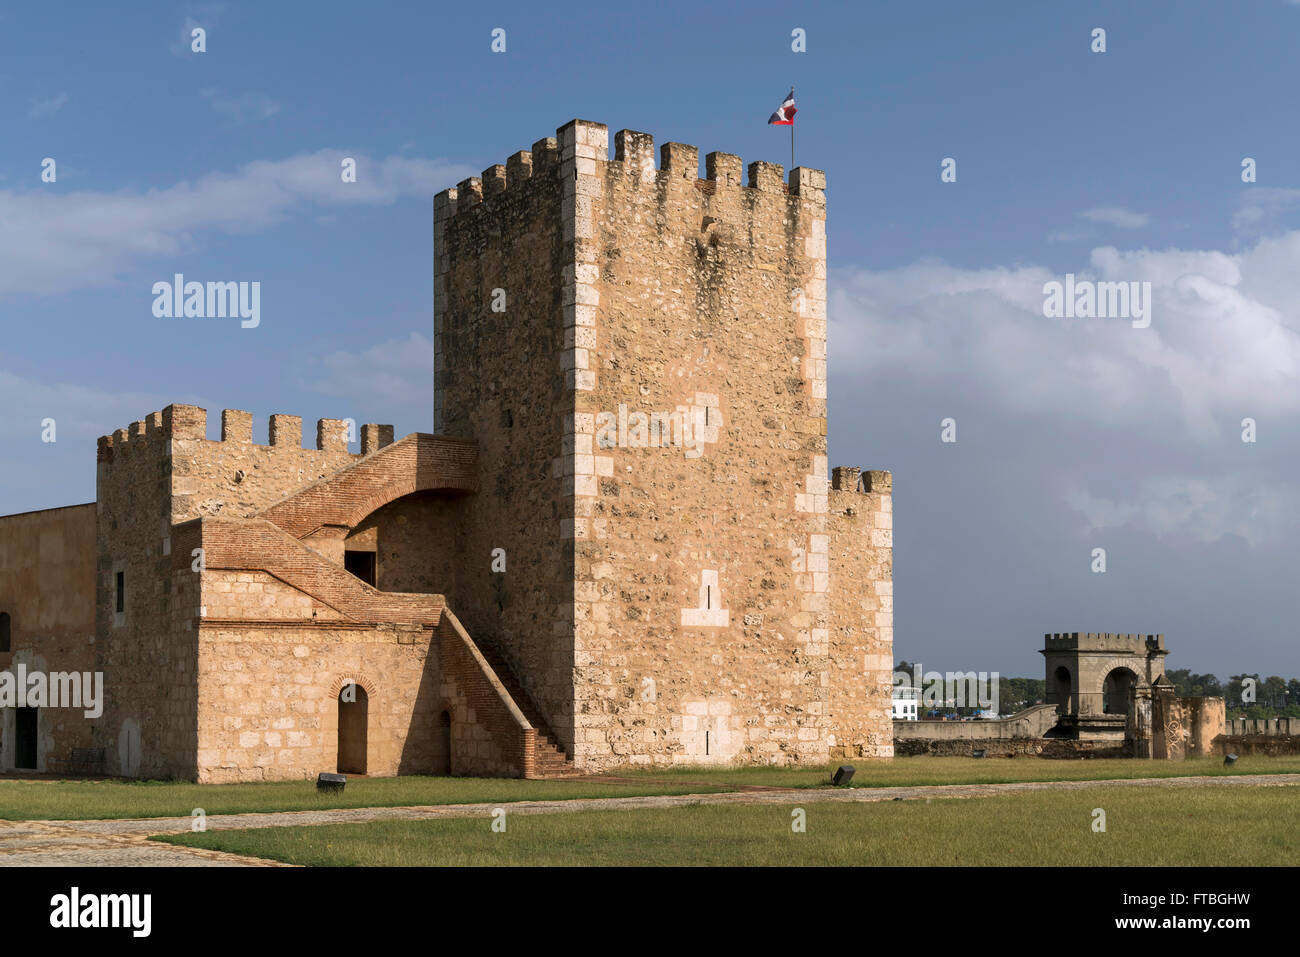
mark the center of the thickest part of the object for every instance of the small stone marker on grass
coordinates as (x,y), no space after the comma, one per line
(330,783)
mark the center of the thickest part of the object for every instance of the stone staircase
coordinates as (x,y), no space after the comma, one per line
(550,760)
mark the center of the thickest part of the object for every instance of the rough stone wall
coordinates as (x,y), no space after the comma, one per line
(415,542)
(1033,722)
(861,614)
(1206,718)
(283,630)
(1270,744)
(700,637)
(670,602)
(268,698)
(1252,726)
(235,476)
(147,652)
(498,380)
(1048,748)
(1182,727)
(47,587)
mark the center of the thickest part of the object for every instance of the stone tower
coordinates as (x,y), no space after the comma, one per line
(1091,677)
(640,355)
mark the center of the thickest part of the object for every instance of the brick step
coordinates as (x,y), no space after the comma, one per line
(552,756)
(550,759)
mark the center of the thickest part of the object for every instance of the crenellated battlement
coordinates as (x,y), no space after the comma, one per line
(586,143)
(190,423)
(847,478)
(1104,641)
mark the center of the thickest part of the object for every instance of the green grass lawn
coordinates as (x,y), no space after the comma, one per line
(906,772)
(83,799)
(89,800)
(1144,827)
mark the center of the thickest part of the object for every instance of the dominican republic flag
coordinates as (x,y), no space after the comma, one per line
(785,115)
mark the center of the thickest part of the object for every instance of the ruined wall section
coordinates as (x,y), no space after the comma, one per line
(701,593)
(500,261)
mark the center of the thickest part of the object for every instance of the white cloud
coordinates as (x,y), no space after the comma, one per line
(1263,208)
(80,412)
(1070,235)
(1204,509)
(51,242)
(1224,344)
(1116,216)
(388,372)
(42,108)
(244,108)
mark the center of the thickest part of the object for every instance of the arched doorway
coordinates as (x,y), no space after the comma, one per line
(354,707)
(1116,690)
(442,763)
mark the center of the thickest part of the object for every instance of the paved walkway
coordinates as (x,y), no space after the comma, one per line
(125,842)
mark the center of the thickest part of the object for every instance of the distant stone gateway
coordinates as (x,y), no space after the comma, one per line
(1112,688)
(1106,694)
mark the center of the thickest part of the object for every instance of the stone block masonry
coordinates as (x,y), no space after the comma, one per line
(518,593)
(157,474)
(706,609)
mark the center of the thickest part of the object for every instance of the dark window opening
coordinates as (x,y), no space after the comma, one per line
(361,564)
(120,605)
(4,631)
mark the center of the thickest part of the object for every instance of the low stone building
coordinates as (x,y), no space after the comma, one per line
(622,545)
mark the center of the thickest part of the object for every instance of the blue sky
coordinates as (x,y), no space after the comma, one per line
(1123,164)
